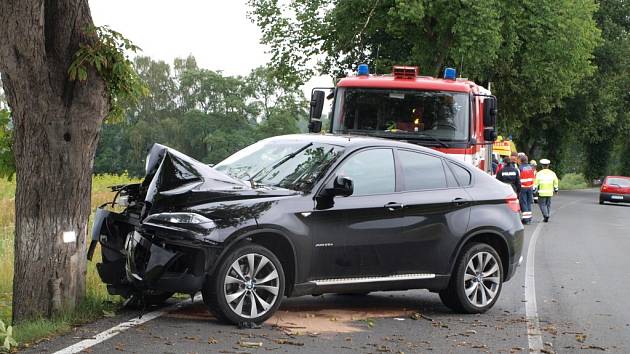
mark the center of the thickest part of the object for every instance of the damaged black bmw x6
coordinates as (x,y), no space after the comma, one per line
(309,214)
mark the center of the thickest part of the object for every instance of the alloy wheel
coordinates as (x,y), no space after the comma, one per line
(482,279)
(251,285)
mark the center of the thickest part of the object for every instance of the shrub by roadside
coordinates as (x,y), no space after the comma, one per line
(573,181)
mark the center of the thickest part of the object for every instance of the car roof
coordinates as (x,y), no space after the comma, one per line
(622,177)
(353,141)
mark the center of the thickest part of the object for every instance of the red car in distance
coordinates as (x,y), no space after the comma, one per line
(615,189)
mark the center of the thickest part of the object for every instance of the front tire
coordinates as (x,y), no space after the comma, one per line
(247,287)
(476,282)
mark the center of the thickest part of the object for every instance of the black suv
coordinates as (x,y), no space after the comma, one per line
(309,214)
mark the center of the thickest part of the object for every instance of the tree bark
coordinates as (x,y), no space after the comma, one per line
(57,123)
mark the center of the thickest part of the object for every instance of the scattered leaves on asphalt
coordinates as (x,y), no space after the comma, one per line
(288,342)
(595,347)
(212,340)
(580,337)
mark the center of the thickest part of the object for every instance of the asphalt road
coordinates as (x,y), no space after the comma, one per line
(582,292)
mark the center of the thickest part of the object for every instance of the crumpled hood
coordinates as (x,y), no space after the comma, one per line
(176,180)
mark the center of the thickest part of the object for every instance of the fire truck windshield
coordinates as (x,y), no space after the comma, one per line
(407,114)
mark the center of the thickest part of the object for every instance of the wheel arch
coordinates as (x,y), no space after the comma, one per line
(272,239)
(490,237)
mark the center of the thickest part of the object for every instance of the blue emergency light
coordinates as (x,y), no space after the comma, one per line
(450,74)
(363,69)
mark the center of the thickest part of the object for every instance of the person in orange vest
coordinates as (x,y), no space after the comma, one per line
(526,195)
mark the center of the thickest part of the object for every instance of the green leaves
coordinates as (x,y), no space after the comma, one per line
(6,337)
(7,161)
(106,52)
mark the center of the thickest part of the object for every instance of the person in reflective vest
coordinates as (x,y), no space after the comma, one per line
(526,196)
(546,182)
(509,174)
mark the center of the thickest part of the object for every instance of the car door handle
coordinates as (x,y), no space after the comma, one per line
(394,206)
(460,201)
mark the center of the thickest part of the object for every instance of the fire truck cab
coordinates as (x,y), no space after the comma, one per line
(452,115)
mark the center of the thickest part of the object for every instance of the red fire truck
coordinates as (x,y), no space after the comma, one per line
(452,115)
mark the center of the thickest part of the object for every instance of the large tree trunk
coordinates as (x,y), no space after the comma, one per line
(57,123)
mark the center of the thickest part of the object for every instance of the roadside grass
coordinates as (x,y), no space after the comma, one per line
(97,302)
(573,181)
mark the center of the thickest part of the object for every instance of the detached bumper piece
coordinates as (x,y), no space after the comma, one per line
(162,266)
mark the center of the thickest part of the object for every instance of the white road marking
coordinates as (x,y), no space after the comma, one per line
(107,334)
(534,337)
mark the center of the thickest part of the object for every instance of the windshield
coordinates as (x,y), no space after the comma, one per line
(406,114)
(286,164)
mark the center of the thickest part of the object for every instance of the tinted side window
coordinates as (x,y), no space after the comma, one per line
(463,176)
(421,171)
(372,172)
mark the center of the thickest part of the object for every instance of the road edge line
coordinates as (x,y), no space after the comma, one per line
(534,336)
(121,327)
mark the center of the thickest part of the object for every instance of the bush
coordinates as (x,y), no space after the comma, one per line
(573,181)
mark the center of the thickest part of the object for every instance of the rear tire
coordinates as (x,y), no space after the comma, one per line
(477,280)
(247,286)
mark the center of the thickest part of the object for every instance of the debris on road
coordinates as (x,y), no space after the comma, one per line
(250,344)
(288,342)
(580,337)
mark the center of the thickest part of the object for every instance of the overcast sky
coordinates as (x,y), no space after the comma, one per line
(216,32)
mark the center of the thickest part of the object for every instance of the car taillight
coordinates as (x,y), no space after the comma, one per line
(512,202)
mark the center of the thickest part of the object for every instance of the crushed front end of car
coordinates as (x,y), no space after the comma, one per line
(161,242)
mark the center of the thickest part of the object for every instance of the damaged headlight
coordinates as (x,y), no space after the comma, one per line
(178,218)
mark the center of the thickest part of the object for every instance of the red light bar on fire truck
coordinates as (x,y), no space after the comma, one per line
(405,72)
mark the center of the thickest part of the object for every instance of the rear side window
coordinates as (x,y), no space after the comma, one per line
(372,172)
(421,171)
(621,182)
(463,176)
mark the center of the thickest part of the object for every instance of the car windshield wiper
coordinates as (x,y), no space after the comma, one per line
(440,142)
(275,165)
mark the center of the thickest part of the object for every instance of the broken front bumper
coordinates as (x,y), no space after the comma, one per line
(138,257)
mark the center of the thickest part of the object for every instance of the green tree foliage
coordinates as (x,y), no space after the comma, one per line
(106,54)
(599,114)
(199,112)
(7,161)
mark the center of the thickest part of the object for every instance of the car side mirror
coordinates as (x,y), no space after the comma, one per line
(490,112)
(315,126)
(315,113)
(317,104)
(489,134)
(339,186)
(343,186)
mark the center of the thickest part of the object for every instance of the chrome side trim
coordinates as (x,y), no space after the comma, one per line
(400,277)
